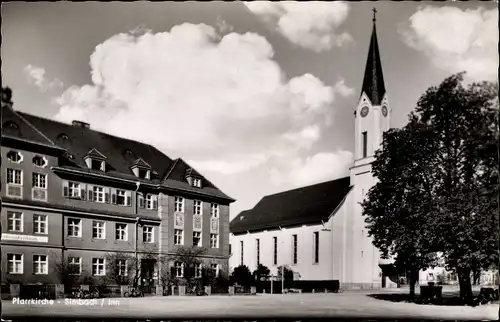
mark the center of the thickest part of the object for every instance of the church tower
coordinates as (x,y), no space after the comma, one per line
(371,120)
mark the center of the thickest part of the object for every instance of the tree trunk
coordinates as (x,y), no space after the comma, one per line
(464,281)
(413,281)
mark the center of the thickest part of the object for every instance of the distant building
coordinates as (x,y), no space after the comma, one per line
(318,231)
(71,192)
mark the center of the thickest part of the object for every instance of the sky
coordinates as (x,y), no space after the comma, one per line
(258,97)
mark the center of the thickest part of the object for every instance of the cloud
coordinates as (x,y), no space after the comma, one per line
(36,75)
(317,168)
(221,102)
(223,26)
(456,40)
(311,25)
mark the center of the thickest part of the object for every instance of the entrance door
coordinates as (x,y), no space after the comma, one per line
(147,272)
(384,281)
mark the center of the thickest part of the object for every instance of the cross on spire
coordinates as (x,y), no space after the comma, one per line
(374,14)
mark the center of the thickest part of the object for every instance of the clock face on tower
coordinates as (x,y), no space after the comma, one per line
(364,111)
(384,110)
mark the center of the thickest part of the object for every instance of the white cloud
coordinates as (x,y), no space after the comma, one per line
(36,75)
(456,40)
(311,24)
(223,26)
(221,102)
(317,168)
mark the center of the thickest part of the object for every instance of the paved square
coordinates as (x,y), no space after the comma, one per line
(349,304)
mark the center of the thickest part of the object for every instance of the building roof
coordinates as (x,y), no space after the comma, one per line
(373,81)
(306,205)
(18,127)
(176,179)
(120,153)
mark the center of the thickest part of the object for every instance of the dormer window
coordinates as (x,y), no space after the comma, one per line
(197,182)
(95,160)
(141,169)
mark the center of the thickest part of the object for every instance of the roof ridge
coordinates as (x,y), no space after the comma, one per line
(303,187)
(32,126)
(91,129)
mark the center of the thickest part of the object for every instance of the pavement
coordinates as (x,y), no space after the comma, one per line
(297,306)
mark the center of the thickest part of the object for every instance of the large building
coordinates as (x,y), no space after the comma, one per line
(319,231)
(71,192)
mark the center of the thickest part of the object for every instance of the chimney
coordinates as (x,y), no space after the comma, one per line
(81,124)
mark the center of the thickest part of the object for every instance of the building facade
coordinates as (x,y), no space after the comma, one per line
(319,231)
(73,194)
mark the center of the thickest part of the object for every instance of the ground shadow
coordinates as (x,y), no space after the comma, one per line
(448,299)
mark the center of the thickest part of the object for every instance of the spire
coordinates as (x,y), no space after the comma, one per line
(373,82)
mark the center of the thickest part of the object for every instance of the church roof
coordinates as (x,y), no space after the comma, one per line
(373,81)
(306,205)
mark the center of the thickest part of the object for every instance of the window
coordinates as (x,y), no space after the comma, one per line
(75,265)
(74,190)
(214,241)
(39,161)
(294,240)
(214,210)
(39,180)
(98,194)
(98,230)
(215,269)
(257,245)
(39,224)
(74,227)
(121,267)
(121,232)
(15,176)
(197,182)
(144,173)
(275,250)
(121,198)
(40,264)
(361,253)
(147,234)
(241,253)
(96,165)
(151,201)
(316,247)
(98,267)
(15,156)
(365,143)
(178,237)
(179,204)
(15,221)
(197,207)
(197,270)
(179,269)
(230,250)
(196,238)
(15,263)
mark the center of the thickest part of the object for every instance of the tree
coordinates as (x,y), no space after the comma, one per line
(121,268)
(261,272)
(437,184)
(241,275)
(464,123)
(397,206)
(68,274)
(288,273)
(190,258)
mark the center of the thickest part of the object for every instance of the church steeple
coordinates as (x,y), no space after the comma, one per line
(373,82)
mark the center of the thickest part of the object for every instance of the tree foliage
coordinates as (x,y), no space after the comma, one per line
(437,183)
(261,272)
(241,275)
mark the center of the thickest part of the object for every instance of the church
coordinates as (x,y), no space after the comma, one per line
(318,231)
